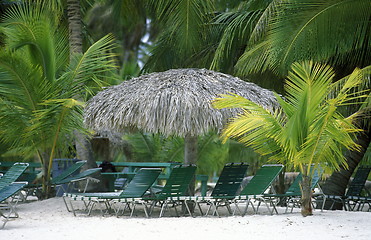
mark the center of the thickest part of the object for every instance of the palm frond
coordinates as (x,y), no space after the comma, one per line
(97,64)
(239,26)
(184,33)
(32,26)
(308,129)
(311,30)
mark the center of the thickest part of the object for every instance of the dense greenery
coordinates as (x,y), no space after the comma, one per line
(307,131)
(258,40)
(38,84)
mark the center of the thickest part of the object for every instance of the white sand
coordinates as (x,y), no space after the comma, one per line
(49,219)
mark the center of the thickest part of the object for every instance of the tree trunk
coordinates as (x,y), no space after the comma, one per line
(337,183)
(190,157)
(190,149)
(83,146)
(74,26)
(306,196)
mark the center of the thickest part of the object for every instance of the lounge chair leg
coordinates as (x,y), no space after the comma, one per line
(208,209)
(188,210)
(132,210)
(237,208)
(176,210)
(146,210)
(65,203)
(215,208)
(229,208)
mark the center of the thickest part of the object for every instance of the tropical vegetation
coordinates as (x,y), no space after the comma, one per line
(258,40)
(39,84)
(308,131)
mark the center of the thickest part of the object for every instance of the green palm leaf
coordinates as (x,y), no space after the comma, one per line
(183,35)
(307,130)
(317,30)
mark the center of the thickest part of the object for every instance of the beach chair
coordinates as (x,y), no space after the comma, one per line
(82,176)
(257,188)
(293,194)
(8,201)
(175,188)
(57,181)
(353,199)
(13,173)
(225,189)
(74,168)
(135,190)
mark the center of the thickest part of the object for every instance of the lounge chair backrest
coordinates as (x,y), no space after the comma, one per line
(230,179)
(262,180)
(81,175)
(359,180)
(13,173)
(178,182)
(141,182)
(316,177)
(295,186)
(68,172)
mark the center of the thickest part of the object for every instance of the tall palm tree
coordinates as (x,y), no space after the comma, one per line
(307,131)
(38,83)
(83,145)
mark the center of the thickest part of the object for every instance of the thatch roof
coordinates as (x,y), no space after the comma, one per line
(175,102)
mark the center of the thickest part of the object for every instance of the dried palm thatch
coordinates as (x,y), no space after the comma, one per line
(175,102)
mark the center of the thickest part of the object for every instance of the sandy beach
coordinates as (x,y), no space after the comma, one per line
(49,219)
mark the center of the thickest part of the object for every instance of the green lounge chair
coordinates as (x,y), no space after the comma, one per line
(59,180)
(257,188)
(293,194)
(225,189)
(353,199)
(13,173)
(135,190)
(7,201)
(82,176)
(56,180)
(176,186)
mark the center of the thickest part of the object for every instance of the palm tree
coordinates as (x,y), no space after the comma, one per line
(38,84)
(307,131)
(83,145)
(279,33)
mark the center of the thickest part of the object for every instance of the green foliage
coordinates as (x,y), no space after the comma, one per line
(326,31)
(307,129)
(183,32)
(212,153)
(38,84)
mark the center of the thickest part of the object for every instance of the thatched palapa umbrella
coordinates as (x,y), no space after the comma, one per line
(174,102)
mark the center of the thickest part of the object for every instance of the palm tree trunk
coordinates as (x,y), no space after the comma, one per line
(74,26)
(337,183)
(306,196)
(83,145)
(190,156)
